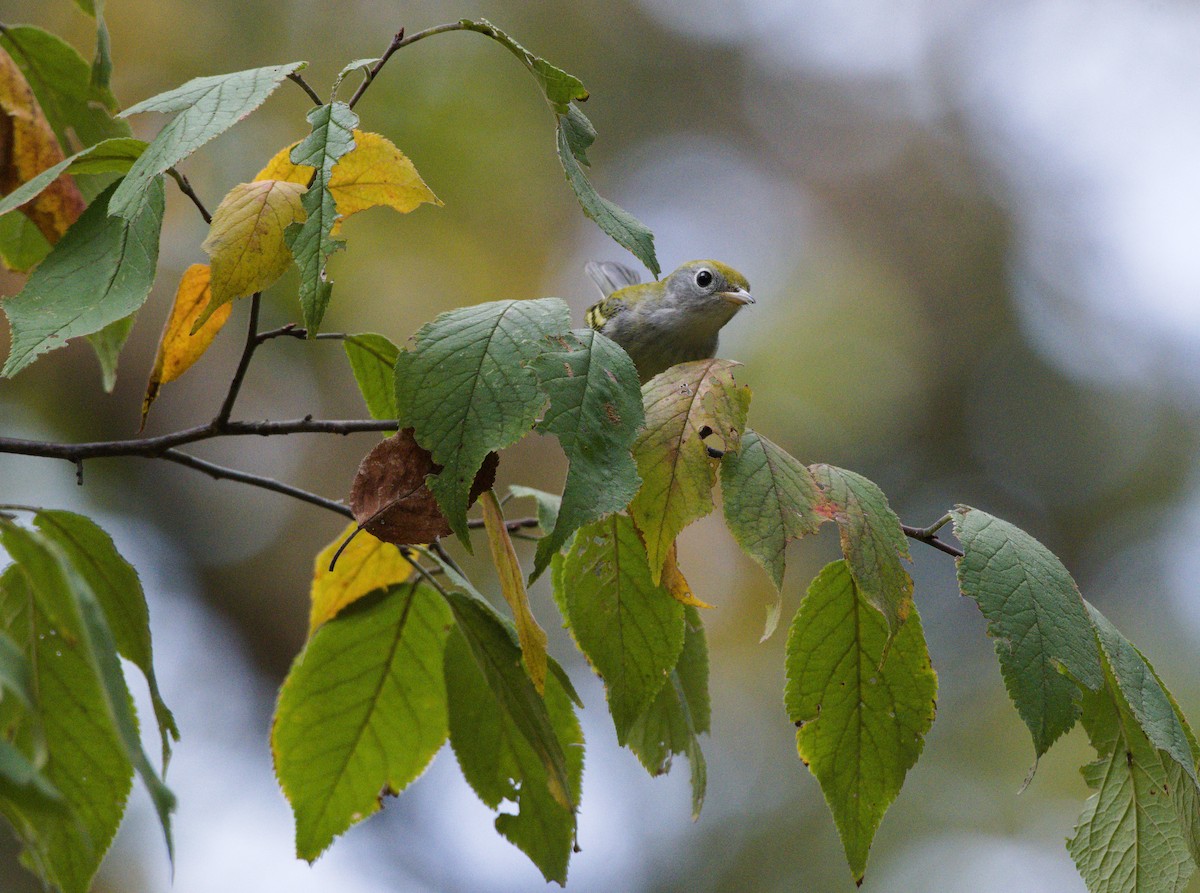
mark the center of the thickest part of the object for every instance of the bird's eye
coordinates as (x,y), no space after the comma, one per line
(704,278)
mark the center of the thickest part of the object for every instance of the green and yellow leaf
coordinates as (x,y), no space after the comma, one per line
(364,565)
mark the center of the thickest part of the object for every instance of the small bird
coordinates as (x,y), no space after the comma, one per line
(671,321)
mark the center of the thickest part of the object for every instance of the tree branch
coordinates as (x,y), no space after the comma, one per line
(397,42)
(232,474)
(252,342)
(296,78)
(928,536)
(186,188)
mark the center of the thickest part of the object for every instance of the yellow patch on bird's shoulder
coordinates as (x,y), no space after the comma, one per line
(595,317)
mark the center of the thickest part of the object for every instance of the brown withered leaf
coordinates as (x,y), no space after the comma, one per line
(390,499)
(28,147)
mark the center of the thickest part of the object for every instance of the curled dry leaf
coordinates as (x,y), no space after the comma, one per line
(389,496)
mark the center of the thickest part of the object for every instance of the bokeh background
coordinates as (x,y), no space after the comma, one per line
(971,230)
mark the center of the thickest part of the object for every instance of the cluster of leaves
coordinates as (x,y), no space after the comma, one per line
(404,652)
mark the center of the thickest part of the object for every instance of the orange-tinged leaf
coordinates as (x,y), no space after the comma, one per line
(373,173)
(676,584)
(178,347)
(28,147)
(245,240)
(512,584)
(366,564)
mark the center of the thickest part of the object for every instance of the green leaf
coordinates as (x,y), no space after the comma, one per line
(22,246)
(862,708)
(548,504)
(22,785)
(14,671)
(102,65)
(679,714)
(85,758)
(62,82)
(1139,830)
(575,135)
(373,361)
(99,272)
(363,65)
(208,107)
(107,344)
(499,763)
(363,710)
(312,241)
(672,458)
(630,628)
(559,87)
(465,389)
(57,583)
(493,645)
(116,586)
(770,499)
(595,412)
(873,542)
(109,156)
(1037,617)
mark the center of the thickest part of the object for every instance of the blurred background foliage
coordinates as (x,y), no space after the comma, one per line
(970,228)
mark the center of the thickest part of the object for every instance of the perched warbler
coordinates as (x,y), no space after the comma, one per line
(671,321)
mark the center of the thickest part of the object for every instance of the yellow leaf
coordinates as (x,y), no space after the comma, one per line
(373,173)
(512,584)
(179,347)
(28,147)
(366,564)
(672,578)
(245,240)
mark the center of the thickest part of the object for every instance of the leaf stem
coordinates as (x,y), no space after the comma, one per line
(186,188)
(252,342)
(928,536)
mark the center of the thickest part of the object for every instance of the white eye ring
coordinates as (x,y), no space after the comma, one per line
(704,278)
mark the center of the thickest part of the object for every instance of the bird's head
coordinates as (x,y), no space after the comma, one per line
(709,288)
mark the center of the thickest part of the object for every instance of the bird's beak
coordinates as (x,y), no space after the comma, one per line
(737,297)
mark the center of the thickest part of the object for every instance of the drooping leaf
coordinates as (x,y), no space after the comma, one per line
(115,584)
(15,678)
(85,759)
(100,272)
(559,87)
(246,239)
(30,147)
(22,247)
(312,242)
(595,411)
(107,344)
(62,81)
(1037,617)
(364,565)
(679,714)
(575,135)
(872,540)
(465,389)
(1139,831)
(363,710)
(500,764)
(677,472)
(363,65)
(390,497)
(207,107)
(676,583)
(23,788)
(493,646)
(112,156)
(548,504)
(629,627)
(862,708)
(770,499)
(373,360)
(178,346)
(512,584)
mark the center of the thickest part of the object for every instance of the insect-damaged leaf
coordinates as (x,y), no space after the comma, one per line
(390,498)
(672,458)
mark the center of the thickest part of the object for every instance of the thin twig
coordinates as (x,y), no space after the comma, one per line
(512,525)
(397,42)
(254,480)
(186,188)
(926,535)
(438,549)
(296,78)
(235,383)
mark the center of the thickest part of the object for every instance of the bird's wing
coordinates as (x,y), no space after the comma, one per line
(610,276)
